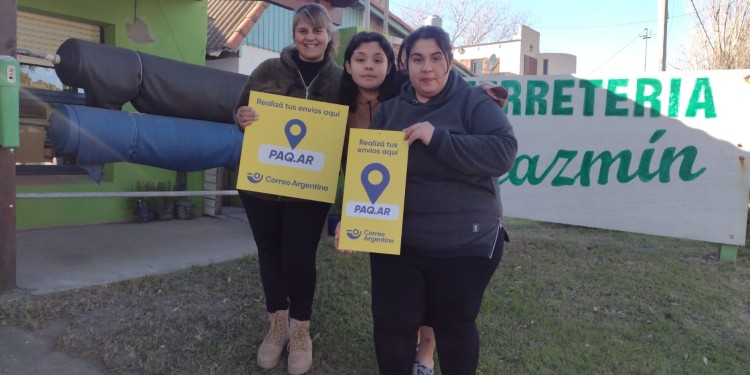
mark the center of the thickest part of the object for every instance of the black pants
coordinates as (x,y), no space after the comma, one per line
(445,293)
(287,235)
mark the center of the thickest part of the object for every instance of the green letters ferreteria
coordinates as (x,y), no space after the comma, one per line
(614,97)
(589,89)
(562,98)
(621,97)
(702,88)
(534,97)
(641,97)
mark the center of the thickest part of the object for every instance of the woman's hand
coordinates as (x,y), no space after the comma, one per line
(336,240)
(420,131)
(246,116)
(498,93)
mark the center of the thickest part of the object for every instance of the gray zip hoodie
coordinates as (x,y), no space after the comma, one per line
(450,208)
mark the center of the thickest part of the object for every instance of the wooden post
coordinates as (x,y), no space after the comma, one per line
(7,164)
(661,33)
(728,253)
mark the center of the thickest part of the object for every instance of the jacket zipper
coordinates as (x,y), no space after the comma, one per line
(307,88)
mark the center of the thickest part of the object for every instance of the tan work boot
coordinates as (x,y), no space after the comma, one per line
(300,347)
(269,352)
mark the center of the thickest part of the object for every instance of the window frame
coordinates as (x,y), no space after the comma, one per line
(52,30)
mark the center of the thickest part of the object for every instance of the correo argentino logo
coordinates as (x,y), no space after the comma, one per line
(254,177)
(353,233)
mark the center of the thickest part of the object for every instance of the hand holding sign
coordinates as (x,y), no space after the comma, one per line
(337,232)
(420,131)
(246,116)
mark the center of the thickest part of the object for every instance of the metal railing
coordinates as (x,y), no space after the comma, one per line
(124,194)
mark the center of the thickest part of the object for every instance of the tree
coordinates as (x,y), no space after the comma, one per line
(721,35)
(468,22)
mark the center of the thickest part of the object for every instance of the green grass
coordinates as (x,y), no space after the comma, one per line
(566,300)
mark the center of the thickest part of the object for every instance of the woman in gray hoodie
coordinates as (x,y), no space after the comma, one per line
(453,237)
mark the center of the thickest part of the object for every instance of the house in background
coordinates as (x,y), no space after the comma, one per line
(173,29)
(230,35)
(518,56)
(242,34)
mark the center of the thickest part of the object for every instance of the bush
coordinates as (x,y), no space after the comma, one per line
(150,208)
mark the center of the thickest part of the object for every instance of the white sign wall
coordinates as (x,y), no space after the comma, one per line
(663,154)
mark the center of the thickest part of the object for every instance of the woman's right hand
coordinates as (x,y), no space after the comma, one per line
(336,240)
(246,116)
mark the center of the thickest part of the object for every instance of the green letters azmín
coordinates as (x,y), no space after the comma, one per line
(525,168)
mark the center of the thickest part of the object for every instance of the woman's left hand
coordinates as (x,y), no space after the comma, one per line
(420,131)
(498,93)
(336,240)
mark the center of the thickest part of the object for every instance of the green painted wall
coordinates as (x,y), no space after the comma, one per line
(345,35)
(178,29)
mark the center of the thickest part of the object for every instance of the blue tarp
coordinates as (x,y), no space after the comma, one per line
(99,136)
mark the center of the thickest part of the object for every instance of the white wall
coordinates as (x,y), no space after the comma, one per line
(482,51)
(228,64)
(529,45)
(509,60)
(557,63)
(599,157)
(250,58)
(505,52)
(510,53)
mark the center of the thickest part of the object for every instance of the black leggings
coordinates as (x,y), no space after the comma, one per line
(287,234)
(445,293)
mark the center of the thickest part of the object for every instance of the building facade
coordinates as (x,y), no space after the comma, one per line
(173,29)
(518,56)
(178,30)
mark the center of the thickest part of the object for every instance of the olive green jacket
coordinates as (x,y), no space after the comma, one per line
(282,77)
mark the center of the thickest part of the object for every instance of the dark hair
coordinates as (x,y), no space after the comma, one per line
(435,33)
(388,89)
(317,16)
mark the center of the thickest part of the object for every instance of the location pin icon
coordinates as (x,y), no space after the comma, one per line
(294,140)
(374,190)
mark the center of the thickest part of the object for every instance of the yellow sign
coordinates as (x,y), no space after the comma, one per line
(374,189)
(294,149)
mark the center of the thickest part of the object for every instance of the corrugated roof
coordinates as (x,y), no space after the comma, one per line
(230,21)
(224,18)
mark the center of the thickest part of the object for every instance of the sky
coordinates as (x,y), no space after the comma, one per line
(605,35)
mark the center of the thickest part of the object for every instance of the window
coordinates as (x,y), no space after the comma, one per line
(545,66)
(38,35)
(477,66)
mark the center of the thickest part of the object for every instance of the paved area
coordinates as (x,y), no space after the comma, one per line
(50,260)
(25,354)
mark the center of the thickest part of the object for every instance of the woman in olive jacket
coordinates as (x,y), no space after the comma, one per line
(286,230)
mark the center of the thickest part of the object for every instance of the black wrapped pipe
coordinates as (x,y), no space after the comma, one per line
(112,76)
